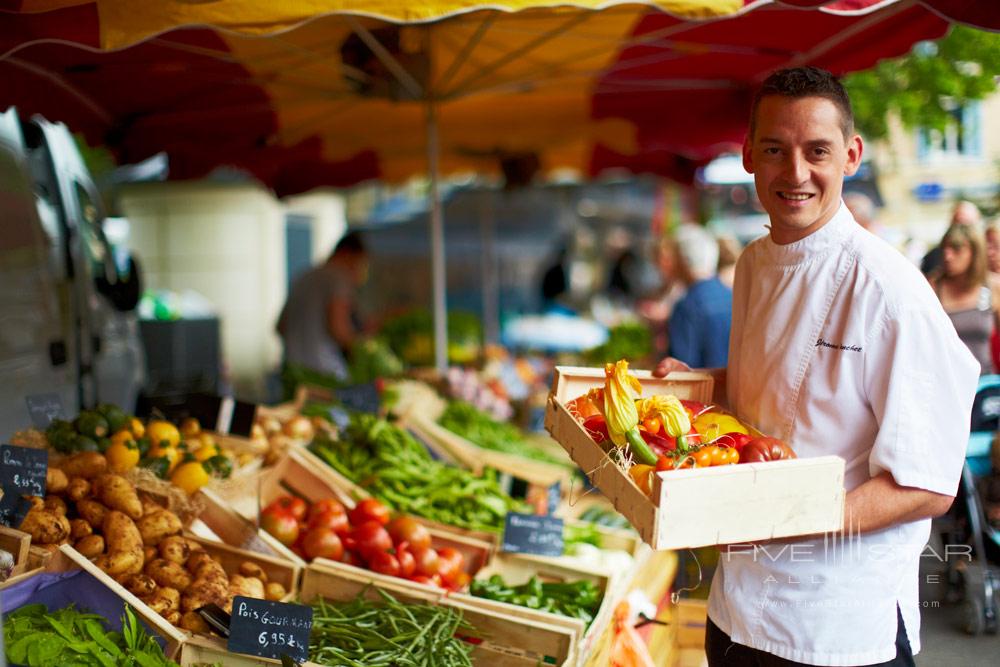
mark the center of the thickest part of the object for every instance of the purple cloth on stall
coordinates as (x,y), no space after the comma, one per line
(60,589)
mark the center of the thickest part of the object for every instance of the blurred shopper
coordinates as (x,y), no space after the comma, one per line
(960,284)
(729,253)
(656,309)
(993,280)
(319,323)
(699,324)
(964,213)
(555,281)
(840,347)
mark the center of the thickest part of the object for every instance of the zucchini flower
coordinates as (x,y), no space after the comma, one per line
(620,413)
(669,410)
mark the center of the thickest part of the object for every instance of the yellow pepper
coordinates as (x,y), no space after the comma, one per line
(713,424)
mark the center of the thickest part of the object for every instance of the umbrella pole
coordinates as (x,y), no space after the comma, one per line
(437,246)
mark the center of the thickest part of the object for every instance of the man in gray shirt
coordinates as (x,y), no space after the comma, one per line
(318,324)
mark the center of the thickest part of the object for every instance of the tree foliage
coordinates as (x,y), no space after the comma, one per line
(924,86)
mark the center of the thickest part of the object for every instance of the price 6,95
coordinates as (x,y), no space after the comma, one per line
(266,639)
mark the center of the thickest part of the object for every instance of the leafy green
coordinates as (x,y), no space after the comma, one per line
(629,340)
(579,599)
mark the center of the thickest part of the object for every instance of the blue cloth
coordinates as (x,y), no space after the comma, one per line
(699,325)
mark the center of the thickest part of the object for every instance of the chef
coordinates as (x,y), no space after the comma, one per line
(840,347)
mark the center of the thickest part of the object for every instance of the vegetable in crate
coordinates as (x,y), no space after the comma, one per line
(478,427)
(619,397)
(579,599)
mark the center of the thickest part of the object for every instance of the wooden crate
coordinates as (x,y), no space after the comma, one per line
(17,544)
(506,640)
(516,569)
(692,508)
(277,569)
(691,619)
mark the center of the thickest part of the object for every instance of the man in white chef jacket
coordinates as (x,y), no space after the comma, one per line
(838,346)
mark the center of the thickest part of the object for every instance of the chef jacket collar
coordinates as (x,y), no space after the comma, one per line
(828,237)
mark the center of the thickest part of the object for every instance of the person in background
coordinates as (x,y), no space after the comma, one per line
(964,213)
(319,322)
(960,284)
(993,280)
(699,324)
(655,311)
(838,347)
(729,253)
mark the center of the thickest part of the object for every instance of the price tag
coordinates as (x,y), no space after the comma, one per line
(339,417)
(359,397)
(270,629)
(553,497)
(13,509)
(23,470)
(43,408)
(532,534)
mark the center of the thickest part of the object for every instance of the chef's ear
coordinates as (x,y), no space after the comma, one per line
(855,147)
(747,157)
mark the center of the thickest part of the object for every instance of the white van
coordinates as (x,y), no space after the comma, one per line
(67,310)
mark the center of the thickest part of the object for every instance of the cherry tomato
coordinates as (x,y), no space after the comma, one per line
(734,456)
(322,543)
(428,562)
(459,581)
(281,525)
(407,529)
(371,538)
(384,563)
(407,563)
(720,455)
(369,509)
(664,463)
(326,505)
(703,457)
(335,521)
(686,462)
(430,581)
(452,562)
(651,424)
(351,558)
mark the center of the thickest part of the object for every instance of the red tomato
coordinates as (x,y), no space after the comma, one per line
(281,525)
(664,463)
(384,563)
(407,563)
(326,505)
(452,562)
(369,509)
(291,505)
(430,581)
(335,521)
(351,558)
(428,562)
(322,543)
(371,538)
(734,440)
(407,529)
(460,581)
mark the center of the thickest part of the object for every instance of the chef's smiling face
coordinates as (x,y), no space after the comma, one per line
(799,156)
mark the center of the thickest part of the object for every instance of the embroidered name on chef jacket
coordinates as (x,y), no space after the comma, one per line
(834,346)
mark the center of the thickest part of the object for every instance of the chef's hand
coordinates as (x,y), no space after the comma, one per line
(669,365)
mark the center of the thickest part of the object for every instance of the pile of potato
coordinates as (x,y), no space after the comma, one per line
(137,542)
(280,433)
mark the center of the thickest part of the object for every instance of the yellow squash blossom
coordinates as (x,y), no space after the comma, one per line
(620,413)
(669,410)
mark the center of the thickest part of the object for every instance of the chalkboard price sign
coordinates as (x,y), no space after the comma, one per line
(43,408)
(270,629)
(23,470)
(358,397)
(532,534)
(13,509)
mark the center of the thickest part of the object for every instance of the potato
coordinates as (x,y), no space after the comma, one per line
(79,528)
(85,464)
(140,585)
(158,524)
(193,622)
(56,504)
(78,489)
(274,591)
(118,493)
(90,546)
(249,568)
(45,526)
(124,545)
(56,480)
(149,553)
(92,512)
(197,559)
(175,549)
(198,595)
(36,503)
(166,573)
(250,587)
(164,600)
(173,617)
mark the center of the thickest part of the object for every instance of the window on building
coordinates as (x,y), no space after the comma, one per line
(961,138)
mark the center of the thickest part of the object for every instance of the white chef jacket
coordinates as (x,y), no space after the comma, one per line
(839,346)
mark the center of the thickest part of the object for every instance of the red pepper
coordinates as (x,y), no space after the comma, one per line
(658,443)
(596,428)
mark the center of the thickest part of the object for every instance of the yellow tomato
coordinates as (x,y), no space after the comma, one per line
(122,455)
(190,476)
(640,474)
(138,430)
(160,431)
(711,425)
(172,455)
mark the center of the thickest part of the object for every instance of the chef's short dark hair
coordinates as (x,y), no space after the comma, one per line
(350,243)
(799,82)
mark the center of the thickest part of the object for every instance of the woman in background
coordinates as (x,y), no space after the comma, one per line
(961,285)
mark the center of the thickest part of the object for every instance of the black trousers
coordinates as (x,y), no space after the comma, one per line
(722,652)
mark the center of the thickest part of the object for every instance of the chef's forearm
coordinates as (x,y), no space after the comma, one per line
(881,502)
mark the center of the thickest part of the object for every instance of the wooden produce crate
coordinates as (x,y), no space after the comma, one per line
(506,640)
(302,474)
(18,545)
(66,559)
(693,507)
(280,570)
(516,569)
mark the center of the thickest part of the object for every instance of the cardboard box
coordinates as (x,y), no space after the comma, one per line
(693,508)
